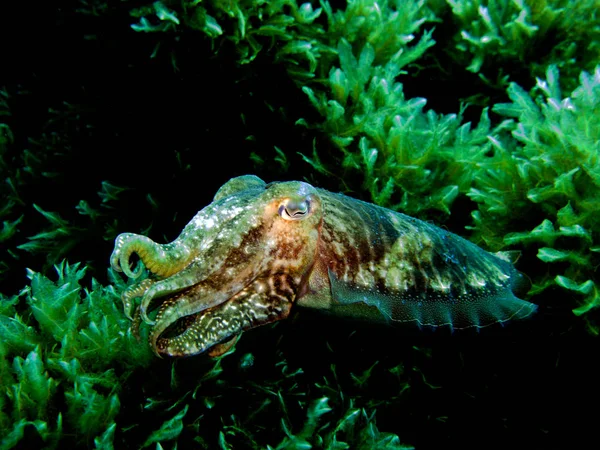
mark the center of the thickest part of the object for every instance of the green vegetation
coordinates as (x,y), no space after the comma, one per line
(65,360)
(549,173)
(81,361)
(481,115)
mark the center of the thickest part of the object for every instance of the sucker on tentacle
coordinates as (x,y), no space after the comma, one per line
(258,249)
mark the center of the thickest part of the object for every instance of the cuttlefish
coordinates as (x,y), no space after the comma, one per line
(259,249)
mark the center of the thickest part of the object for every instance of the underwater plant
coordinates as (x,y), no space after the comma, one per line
(64,345)
(363,97)
(549,172)
(69,357)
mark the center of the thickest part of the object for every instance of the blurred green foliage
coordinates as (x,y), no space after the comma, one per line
(31,171)
(495,32)
(515,163)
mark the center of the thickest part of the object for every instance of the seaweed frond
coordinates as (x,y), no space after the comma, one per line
(549,180)
(65,353)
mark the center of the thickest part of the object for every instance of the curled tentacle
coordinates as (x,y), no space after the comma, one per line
(144,310)
(122,244)
(133,292)
(196,333)
(188,293)
(135,326)
(161,260)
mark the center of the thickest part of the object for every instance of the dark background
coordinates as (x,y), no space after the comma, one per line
(88,100)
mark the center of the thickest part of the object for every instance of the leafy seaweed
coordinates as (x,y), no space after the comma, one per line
(67,358)
(552,168)
(499,38)
(496,28)
(31,171)
(169,430)
(62,236)
(71,347)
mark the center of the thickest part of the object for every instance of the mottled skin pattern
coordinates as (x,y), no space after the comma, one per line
(258,248)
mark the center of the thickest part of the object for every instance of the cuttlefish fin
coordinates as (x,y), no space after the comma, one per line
(473,310)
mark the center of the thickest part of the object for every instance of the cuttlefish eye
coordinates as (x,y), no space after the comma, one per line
(294,209)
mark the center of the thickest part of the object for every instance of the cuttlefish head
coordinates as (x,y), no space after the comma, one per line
(239,263)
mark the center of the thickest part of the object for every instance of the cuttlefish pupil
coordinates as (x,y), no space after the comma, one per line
(257,250)
(294,209)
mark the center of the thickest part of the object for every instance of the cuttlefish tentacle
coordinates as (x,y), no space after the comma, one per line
(199,295)
(247,309)
(185,279)
(162,260)
(131,293)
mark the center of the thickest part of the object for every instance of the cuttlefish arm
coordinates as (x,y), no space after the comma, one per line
(258,304)
(181,263)
(253,247)
(257,249)
(164,260)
